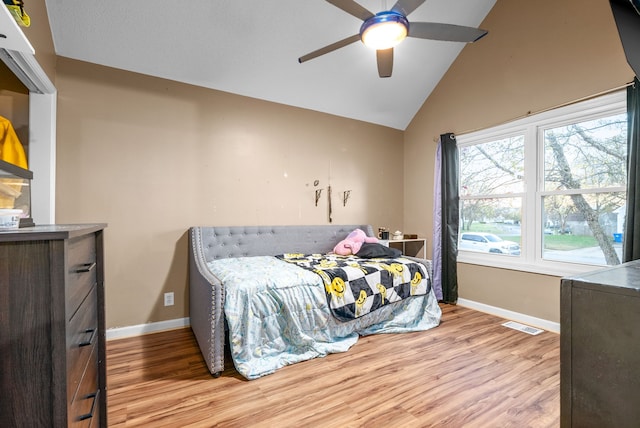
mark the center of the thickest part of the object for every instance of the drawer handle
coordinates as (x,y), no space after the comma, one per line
(89,415)
(93,332)
(86,267)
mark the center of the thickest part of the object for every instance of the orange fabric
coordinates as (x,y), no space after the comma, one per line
(11,149)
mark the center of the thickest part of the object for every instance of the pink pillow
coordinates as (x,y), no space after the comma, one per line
(352,243)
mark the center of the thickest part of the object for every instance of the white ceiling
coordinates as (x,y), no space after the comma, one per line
(252,47)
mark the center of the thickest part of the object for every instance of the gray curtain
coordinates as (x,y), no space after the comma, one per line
(446,217)
(631,250)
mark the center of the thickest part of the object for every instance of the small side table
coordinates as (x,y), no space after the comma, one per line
(409,247)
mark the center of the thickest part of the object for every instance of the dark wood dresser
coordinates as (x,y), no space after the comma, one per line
(52,331)
(600,348)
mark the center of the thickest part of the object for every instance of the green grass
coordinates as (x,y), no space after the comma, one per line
(568,242)
(486,228)
(492,228)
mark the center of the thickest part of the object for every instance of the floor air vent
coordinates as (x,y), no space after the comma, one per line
(524,328)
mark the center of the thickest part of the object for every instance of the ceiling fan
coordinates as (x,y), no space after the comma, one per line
(386,29)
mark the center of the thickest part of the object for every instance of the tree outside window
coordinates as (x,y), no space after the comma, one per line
(584,190)
(492,186)
(554,184)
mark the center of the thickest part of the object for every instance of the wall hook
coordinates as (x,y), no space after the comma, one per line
(345,197)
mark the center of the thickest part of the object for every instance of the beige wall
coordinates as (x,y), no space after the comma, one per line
(152,157)
(537,55)
(39,35)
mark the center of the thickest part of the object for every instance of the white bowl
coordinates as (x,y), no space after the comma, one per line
(9,218)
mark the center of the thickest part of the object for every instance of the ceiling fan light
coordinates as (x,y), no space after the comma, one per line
(384,30)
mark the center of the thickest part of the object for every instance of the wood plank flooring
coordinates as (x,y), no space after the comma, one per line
(468,372)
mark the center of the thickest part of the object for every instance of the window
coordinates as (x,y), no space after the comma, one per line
(546,193)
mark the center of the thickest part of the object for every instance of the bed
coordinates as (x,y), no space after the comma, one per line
(240,288)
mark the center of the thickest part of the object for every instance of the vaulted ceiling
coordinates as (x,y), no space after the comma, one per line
(252,47)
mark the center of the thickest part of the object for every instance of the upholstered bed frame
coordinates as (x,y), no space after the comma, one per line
(206,294)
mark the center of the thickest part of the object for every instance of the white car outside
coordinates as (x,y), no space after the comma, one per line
(487,243)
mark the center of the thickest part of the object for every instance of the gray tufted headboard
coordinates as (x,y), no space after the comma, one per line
(206,292)
(241,241)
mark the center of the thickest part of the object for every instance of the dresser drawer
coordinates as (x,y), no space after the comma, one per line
(46,306)
(81,271)
(82,338)
(84,409)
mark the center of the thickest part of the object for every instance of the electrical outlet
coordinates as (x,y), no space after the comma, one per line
(168,299)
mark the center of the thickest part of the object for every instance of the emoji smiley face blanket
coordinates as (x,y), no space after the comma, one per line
(355,286)
(278,313)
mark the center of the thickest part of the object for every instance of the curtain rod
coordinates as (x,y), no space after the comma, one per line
(568,103)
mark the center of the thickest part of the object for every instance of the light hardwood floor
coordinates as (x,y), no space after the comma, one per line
(468,372)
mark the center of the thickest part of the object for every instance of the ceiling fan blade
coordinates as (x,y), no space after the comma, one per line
(405,7)
(330,48)
(352,8)
(385,62)
(446,32)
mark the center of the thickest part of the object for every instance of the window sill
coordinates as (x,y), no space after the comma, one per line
(543,267)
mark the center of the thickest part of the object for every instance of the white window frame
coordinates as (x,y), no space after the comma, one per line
(530,259)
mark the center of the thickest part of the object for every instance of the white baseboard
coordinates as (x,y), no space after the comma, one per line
(511,315)
(140,329)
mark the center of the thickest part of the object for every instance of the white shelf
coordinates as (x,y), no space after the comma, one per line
(409,247)
(11,36)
